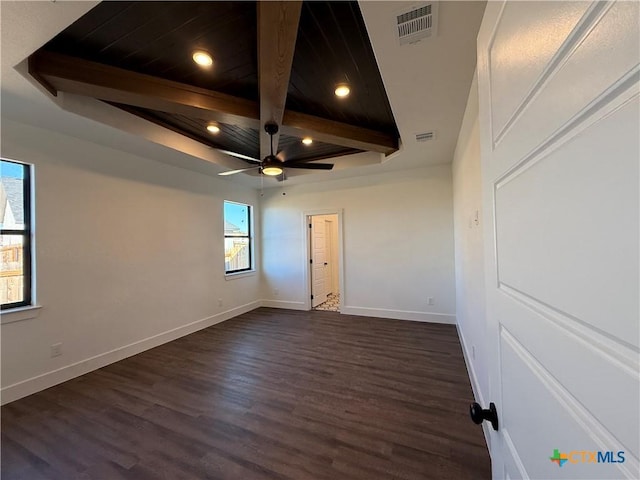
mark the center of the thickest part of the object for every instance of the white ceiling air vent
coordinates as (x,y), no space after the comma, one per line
(425,137)
(417,23)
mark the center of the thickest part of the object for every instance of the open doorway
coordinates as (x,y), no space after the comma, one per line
(324,261)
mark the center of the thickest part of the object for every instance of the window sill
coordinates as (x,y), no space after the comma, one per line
(19,314)
(233,276)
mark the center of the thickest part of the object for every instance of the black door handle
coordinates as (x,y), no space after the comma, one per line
(326,263)
(478,414)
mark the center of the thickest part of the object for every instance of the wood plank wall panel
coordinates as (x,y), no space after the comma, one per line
(272,394)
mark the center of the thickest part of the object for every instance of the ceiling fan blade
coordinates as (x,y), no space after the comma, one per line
(310,166)
(239,155)
(233,172)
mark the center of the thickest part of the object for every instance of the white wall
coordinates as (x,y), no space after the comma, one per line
(397,243)
(128,250)
(469,249)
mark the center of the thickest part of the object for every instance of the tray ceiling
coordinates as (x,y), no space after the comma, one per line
(138,56)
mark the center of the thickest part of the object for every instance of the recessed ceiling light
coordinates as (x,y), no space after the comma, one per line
(342,90)
(307,140)
(202,58)
(213,128)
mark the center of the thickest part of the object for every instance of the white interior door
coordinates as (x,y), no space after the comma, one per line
(335,256)
(319,288)
(558,84)
(331,257)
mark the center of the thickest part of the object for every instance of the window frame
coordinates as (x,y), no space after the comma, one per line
(249,237)
(26,233)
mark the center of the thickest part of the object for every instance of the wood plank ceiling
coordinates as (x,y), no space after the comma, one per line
(273,62)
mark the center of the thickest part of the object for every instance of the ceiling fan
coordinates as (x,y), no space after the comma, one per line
(271,165)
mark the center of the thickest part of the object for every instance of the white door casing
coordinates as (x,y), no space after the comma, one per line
(319,286)
(559,103)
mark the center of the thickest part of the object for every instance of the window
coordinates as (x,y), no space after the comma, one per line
(237,237)
(15,234)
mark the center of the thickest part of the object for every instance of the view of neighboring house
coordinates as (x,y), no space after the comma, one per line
(11,211)
(236,250)
(12,217)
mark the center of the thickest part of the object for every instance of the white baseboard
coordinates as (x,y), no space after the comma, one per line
(49,379)
(400,314)
(284,304)
(475,385)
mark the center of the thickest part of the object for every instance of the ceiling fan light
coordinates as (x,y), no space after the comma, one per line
(342,90)
(307,140)
(202,58)
(272,170)
(213,128)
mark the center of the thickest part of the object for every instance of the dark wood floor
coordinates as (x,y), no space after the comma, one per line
(270,394)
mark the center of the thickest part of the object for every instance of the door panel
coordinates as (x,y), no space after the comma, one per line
(584,363)
(583,74)
(550,221)
(559,102)
(319,258)
(559,418)
(532,55)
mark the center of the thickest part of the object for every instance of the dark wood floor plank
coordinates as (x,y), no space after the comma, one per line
(272,394)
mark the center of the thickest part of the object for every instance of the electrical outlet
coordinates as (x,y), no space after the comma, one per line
(56,350)
(219,302)
(429,300)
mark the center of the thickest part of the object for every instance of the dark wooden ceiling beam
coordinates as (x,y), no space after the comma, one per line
(277,33)
(337,133)
(82,77)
